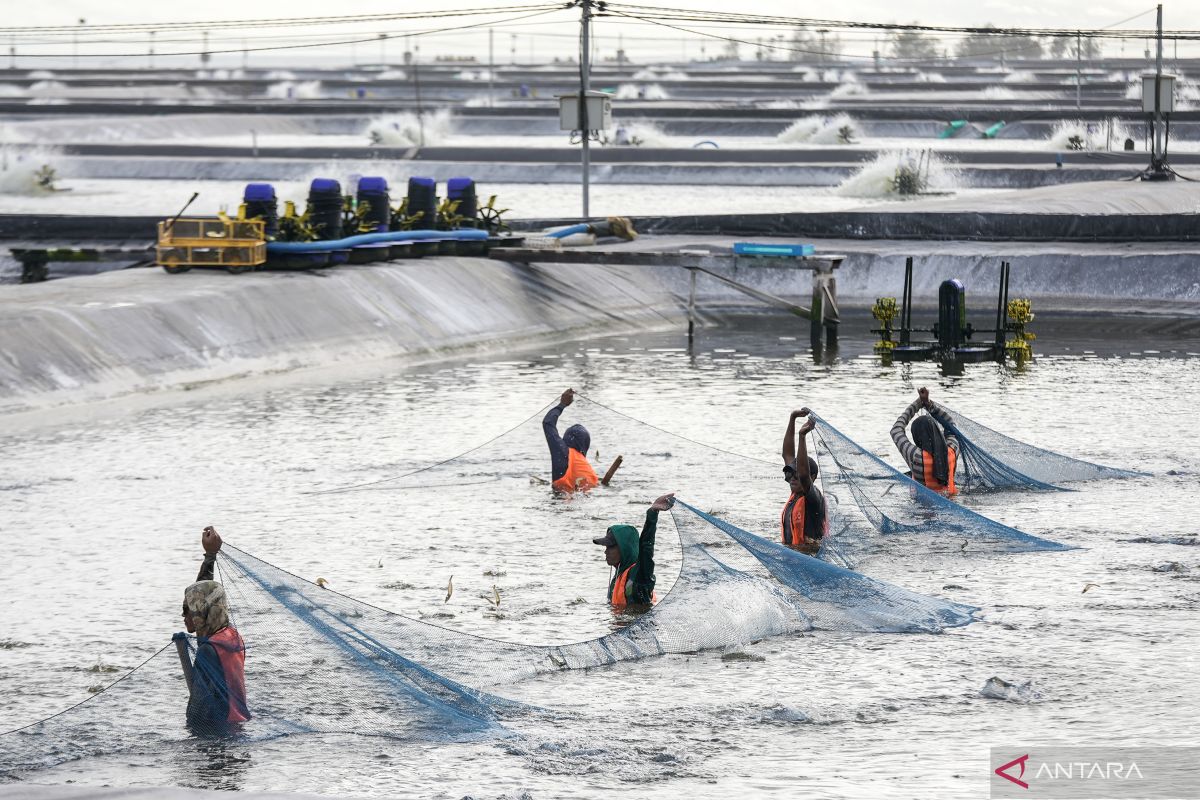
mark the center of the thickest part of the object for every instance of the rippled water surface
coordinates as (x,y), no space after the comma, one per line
(101,512)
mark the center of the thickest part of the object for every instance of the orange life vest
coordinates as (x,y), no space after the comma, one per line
(579,475)
(231,652)
(799,514)
(618,593)
(930,481)
(798,508)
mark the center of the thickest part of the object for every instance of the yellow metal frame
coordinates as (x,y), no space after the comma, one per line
(211,242)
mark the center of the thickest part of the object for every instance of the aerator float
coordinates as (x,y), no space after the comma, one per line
(952,333)
(335,228)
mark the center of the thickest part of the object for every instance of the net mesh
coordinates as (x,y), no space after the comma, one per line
(991,460)
(320,661)
(897,509)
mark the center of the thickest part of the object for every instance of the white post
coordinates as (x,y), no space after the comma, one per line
(1079,68)
(1158,118)
(584,85)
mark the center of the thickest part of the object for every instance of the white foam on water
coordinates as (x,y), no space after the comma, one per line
(23,169)
(287,90)
(406,130)
(877,178)
(1105,135)
(816,129)
(633,91)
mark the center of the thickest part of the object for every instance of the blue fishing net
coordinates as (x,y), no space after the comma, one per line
(990,460)
(901,515)
(321,662)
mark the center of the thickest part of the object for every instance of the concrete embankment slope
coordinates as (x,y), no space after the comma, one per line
(140,330)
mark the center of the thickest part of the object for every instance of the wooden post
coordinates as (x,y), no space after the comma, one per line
(817,311)
(692,307)
(832,314)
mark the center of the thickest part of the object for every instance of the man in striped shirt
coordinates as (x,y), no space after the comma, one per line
(932,452)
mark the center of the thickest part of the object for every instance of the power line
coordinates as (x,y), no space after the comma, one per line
(374,37)
(280,22)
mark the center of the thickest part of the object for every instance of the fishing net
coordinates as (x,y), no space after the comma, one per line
(320,661)
(901,515)
(991,460)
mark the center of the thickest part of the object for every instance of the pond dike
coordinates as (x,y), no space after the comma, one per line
(139,330)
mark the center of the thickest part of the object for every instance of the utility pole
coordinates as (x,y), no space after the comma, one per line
(585,79)
(151,54)
(491,65)
(75,43)
(383,49)
(1157,159)
(416,64)
(1079,68)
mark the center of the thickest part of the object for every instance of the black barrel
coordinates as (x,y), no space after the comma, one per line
(422,199)
(952,314)
(374,192)
(325,208)
(261,203)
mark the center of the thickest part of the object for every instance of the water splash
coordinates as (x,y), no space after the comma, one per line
(1075,134)
(405,130)
(896,173)
(293,90)
(28,170)
(659,74)
(816,129)
(650,91)
(998,93)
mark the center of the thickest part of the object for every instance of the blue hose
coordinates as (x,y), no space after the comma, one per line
(464,235)
(568,231)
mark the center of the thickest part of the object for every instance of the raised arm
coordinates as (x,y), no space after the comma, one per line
(211,541)
(908,451)
(802,470)
(789,438)
(558,448)
(945,419)
(644,578)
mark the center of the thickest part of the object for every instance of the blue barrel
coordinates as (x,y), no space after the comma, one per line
(463,190)
(261,203)
(374,192)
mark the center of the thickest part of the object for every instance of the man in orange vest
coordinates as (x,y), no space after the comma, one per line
(632,556)
(569,467)
(803,522)
(932,453)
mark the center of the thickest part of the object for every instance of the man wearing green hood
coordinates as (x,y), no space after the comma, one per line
(633,558)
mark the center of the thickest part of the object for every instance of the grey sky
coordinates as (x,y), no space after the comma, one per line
(546,37)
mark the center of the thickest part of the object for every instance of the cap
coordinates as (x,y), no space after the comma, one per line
(607,540)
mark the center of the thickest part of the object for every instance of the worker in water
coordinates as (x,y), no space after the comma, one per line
(932,452)
(218,691)
(569,467)
(803,522)
(632,558)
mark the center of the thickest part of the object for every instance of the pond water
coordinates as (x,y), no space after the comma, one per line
(102,510)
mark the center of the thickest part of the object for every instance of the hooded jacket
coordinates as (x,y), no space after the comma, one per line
(637,561)
(562,459)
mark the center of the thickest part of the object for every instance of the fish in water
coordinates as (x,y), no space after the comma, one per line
(1087,586)
(322,583)
(449,589)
